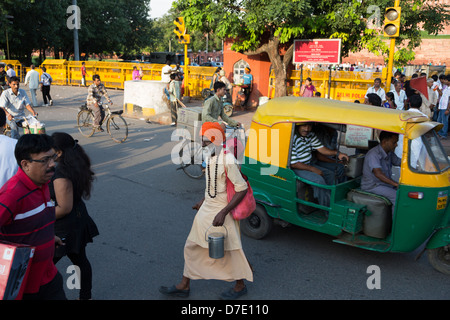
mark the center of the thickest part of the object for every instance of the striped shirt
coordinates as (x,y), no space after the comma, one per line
(95,94)
(303,147)
(27,216)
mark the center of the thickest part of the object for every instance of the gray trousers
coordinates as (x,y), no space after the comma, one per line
(99,114)
(327,178)
(33,97)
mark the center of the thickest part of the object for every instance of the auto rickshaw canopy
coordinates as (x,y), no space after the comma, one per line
(295,109)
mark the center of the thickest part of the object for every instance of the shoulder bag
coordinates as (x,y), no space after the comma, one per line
(246,207)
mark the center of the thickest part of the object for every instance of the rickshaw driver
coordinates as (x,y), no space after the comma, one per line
(377,168)
(304,143)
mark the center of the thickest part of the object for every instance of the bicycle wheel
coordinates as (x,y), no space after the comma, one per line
(192,166)
(117,128)
(85,123)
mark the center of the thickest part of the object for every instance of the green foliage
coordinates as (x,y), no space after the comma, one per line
(107,26)
(254,22)
(164,27)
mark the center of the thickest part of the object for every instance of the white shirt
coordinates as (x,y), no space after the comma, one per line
(400,99)
(443,104)
(8,163)
(33,78)
(165,73)
(11,73)
(380,92)
(15,105)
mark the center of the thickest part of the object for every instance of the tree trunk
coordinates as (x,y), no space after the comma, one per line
(279,63)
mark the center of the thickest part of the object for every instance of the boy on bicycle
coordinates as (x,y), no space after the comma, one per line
(95,93)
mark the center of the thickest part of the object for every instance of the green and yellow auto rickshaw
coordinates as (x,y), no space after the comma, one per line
(421,214)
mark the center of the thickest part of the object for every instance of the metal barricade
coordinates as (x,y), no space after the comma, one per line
(112,74)
(345,85)
(74,72)
(57,69)
(17,66)
(199,79)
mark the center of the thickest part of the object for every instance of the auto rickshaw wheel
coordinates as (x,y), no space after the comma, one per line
(258,225)
(440,259)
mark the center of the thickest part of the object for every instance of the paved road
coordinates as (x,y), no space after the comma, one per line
(142,206)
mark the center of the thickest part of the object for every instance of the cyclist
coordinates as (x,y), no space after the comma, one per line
(95,93)
(213,107)
(14,101)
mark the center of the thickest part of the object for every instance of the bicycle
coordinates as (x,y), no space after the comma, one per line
(116,125)
(193,163)
(24,123)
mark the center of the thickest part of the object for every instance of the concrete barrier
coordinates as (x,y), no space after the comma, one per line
(144,98)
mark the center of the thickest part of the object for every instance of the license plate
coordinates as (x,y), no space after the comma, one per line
(441,200)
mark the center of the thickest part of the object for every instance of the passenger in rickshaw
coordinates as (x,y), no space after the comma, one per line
(377,169)
(328,136)
(305,141)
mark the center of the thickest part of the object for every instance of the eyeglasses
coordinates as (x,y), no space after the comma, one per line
(45,160)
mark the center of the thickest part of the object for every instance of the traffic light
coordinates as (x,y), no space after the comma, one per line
(392,22)
(180,30)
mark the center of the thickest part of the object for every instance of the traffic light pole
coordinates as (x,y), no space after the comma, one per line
(186,72)
(390,64)
(185,38)
(391,57)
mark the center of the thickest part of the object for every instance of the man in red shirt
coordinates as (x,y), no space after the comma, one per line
(27,215)
(83,74)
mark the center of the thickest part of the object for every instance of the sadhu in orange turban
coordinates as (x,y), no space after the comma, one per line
(214,132)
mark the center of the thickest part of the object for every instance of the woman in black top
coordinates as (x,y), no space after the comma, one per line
(71,184)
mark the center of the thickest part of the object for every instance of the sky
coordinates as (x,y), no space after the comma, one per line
(159,7)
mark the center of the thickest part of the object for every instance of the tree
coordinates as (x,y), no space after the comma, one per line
(271,26)
(165,32)
(107,26)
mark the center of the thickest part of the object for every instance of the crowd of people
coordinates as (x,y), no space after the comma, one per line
(49,177)
(44,181)
(434,102)
(32,79)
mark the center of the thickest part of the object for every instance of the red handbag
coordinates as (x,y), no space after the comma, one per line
(15,261)
(246,207)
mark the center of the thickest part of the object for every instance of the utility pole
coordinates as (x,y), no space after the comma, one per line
(76,48)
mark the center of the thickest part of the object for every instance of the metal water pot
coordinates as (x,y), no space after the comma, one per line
(216,243)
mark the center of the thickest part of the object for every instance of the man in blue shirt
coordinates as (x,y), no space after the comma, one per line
(14,101)
(248,84)
(377,168)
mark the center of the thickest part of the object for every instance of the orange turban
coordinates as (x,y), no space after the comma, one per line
(214,132)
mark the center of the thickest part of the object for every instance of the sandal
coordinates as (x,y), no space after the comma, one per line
(233,295)
(174,292)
